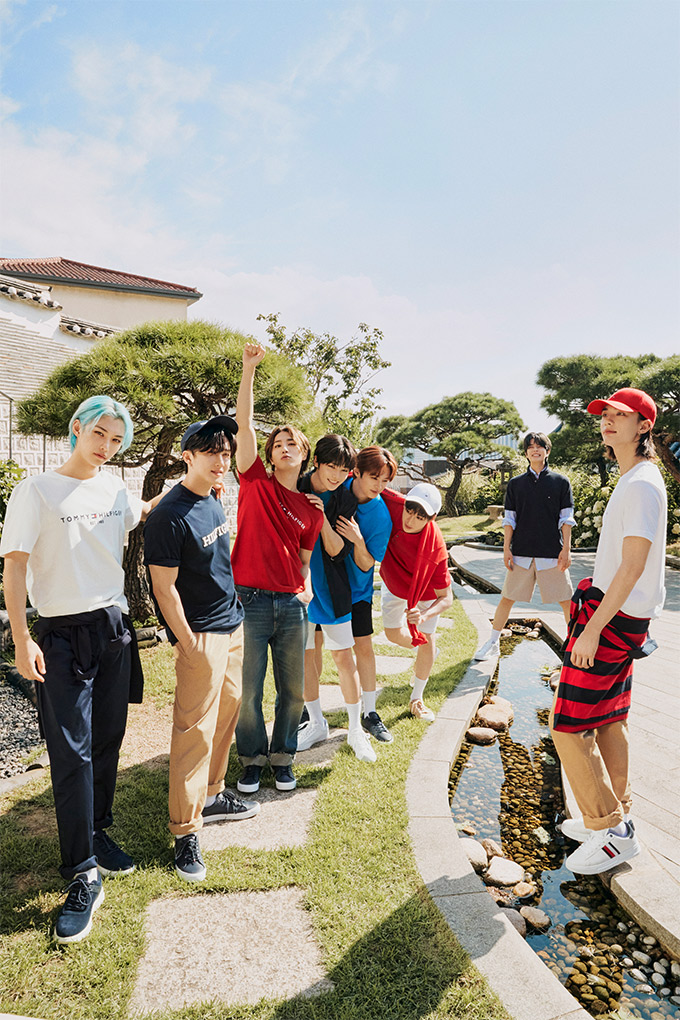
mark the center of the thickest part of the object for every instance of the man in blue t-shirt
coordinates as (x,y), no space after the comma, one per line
(365,528)
(186,547)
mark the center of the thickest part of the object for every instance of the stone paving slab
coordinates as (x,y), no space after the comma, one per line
(275,826)
(203,947)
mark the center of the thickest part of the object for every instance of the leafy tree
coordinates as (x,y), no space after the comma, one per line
(339,374)
(168,374)
(454,429)
(572,382)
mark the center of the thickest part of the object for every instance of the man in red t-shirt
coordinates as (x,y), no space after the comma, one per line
(276,530)
(416,585)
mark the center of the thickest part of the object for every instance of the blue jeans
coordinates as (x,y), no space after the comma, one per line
(278,620)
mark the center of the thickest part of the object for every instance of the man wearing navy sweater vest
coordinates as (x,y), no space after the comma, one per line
(539,516)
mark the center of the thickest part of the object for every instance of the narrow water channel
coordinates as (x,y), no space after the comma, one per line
(511,792)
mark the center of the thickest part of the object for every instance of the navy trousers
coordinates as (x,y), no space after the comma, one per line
(82,706)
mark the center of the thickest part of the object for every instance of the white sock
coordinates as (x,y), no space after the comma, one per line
(90,874)
(368,698)
(418,688)
(209,801)
(495,636)
(620,830)
(314,709)
(354,713)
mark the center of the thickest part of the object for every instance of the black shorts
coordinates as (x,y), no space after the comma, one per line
(362,619)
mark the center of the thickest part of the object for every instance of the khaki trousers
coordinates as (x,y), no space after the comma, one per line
(207,702)
(596,765)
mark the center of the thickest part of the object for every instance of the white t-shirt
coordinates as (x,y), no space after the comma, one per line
(74,532)
(637,508)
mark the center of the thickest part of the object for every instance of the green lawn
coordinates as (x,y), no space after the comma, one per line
(384,945)
(468,524)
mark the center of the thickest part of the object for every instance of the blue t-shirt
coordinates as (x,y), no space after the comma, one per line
(375,525)
(190,532)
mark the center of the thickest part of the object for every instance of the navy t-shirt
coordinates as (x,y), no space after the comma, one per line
(190,532)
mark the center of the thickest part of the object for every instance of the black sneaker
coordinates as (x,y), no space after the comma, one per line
(227,807)
(75,917)
(374,725)
(250,779)
(111,860)
(188,861)
(283,775)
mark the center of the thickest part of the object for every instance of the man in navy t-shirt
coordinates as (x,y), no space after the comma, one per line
(186,547)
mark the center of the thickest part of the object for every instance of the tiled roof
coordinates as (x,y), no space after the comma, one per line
(59,270)
(85,328)
(11,287)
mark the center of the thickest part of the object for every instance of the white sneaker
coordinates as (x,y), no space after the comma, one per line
(603,850)
(361,745)
(488,650)
(419,710)
(311,733)
(573,828)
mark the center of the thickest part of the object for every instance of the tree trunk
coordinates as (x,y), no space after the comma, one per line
(661,445)
(136,584)
(603,470)
(450,508)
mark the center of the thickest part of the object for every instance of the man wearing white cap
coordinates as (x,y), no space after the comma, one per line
(416,582)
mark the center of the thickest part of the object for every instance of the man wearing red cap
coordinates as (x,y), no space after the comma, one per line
(608,629)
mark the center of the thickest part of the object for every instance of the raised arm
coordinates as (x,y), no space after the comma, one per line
(246,447)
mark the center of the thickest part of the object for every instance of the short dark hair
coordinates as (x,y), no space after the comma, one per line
(211,440)
(645,447)
(419,510)
(336,450)
(298,437)
(537,437)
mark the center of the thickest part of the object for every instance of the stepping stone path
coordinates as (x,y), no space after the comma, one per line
(209,947)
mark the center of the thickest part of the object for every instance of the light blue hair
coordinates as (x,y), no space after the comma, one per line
(91,410)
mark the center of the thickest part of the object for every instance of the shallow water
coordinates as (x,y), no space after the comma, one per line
(511,792)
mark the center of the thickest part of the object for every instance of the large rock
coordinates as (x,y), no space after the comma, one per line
(503,704)
(476,854)
(538,919)
(523,890)
(493,849)
(516,920)
(493,717)
(481,735)
(501,871)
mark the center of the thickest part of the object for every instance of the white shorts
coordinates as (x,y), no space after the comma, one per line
(394,612)
(337,636)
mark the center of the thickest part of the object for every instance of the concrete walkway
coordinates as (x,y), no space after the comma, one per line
(651,887)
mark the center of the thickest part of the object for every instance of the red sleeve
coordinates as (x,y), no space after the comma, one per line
(441,578)
(255,472)
(392,497)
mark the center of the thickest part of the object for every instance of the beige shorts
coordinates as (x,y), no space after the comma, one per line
(553,584)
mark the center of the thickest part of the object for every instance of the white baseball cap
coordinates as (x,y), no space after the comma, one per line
(427,496)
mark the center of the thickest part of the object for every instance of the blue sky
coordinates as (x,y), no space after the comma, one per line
(490,182)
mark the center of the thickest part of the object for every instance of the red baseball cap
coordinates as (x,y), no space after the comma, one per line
(627,399)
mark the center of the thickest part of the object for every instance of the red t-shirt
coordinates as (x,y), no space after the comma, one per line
(403,550)
(273,524)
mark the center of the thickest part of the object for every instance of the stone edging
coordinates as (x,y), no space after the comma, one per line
(510,966)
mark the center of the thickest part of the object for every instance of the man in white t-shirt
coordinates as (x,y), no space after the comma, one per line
(608,629)
(62,541)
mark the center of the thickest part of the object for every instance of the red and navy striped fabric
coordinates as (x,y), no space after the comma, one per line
(588,698)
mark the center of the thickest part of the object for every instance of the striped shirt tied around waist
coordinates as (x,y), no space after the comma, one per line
(588,698)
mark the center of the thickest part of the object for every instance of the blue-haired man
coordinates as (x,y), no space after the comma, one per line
(62,542)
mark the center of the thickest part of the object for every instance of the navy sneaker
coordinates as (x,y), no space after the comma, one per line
(75,917)
(227,807)
(250,779)
(284,778)
(111,860)
(374,725)
(188,861)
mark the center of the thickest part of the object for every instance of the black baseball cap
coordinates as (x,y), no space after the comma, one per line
(221,421)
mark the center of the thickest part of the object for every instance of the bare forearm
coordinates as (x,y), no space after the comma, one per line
(441,603)
(14,582)
(620,588)
(362,556)
(171,607)
(332,542)
(566,536)
(507,536)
